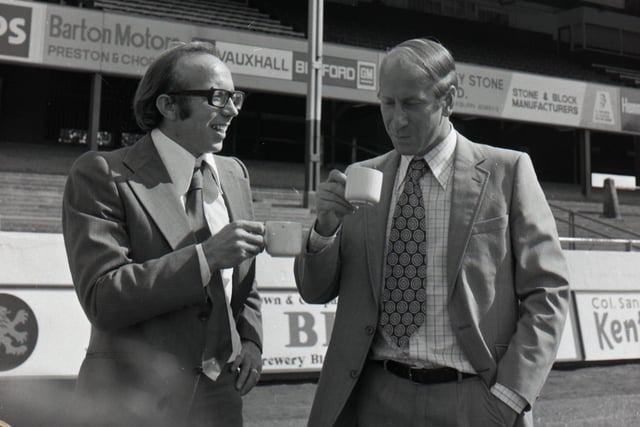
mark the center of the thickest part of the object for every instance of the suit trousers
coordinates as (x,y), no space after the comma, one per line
(216,403)
(384,399)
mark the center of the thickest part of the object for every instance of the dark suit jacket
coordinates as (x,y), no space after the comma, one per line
(135,268)
(506,275)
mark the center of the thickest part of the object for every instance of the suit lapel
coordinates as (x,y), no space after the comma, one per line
(152,185)
(469,184)
(236,195)
(235,191)
(376,222)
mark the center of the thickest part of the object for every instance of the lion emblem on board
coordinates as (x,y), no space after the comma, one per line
(9,334)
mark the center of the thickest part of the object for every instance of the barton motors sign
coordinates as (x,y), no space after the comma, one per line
(609,324)
(18,332)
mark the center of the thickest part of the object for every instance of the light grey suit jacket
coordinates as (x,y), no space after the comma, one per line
(507,278)
(135,268)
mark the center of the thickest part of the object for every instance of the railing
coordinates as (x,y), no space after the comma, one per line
(629,244)
(354,149)
(573,226)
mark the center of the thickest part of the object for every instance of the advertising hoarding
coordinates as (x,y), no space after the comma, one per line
(122,44)
(296,334)
(493,92)
(609,324)
(98,41)
(568,349)
(630,109)
(35,272)
(53,327)
(21,26)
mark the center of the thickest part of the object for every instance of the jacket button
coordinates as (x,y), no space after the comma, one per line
(369,330)
(203,317)
(353,374)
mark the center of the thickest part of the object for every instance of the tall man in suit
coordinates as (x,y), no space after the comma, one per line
(161,244)
(452,290)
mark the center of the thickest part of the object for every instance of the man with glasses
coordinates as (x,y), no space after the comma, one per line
(452,290)
(161,244)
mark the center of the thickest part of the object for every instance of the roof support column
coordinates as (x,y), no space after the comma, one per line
(585,157)
(314,103)
(94,111)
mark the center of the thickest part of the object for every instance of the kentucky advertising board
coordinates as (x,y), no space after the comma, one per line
(610,324)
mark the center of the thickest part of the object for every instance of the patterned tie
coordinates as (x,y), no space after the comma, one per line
(218,346)
(404,296)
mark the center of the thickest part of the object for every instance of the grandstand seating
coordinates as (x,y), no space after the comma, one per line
(32,202)
(624,74)
(231,14)
(378,26)
(367,25)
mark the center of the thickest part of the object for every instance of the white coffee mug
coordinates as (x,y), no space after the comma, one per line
(283,238)
(363,185)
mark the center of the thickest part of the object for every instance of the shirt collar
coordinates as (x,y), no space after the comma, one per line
(438,159)
(178,161)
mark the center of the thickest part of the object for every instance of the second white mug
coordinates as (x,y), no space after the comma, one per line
(283,238)
(363,185)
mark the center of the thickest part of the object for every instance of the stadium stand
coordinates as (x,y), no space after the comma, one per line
(379,26)
(30,196)
(230,14)
(31,201)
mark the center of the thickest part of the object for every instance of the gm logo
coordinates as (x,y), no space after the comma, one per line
(15,27)
(366,75)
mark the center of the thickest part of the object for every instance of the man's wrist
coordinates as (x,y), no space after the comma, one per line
(211,259)
(316,242)
(509,397)
(324,229)
(244,341)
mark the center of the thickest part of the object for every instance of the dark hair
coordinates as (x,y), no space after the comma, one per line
(161,77)
(432,58)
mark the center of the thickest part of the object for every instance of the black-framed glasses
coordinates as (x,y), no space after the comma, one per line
(216,97)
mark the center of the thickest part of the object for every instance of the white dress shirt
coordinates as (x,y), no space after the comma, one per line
(180,164)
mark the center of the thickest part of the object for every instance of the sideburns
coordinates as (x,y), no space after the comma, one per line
(184,110)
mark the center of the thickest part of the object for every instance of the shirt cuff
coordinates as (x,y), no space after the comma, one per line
(510,397)
(205,271)
(317,242)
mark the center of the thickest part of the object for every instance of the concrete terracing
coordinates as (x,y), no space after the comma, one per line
(32,181)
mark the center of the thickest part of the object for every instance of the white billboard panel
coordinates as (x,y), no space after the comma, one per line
(609,324)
